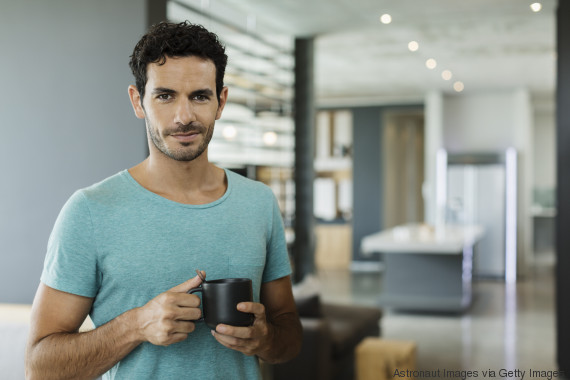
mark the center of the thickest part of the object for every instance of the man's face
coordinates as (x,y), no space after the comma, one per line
(180,106)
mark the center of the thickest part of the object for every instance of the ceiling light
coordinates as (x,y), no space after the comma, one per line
(458,86)
(413,46)
(385,18)
(431,63)
(269,138)
(446,74)
(229,132)
(536,7)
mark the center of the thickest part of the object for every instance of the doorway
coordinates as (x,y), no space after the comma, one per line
(403,166)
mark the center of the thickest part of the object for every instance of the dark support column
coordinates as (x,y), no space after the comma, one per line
(563,188)
(156,11)
(304,108)
(367,177)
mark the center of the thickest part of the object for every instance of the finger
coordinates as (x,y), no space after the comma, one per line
(187,300)
(228,340)
(235,331)
(221,340)
(175,338)
(189,284)
(183,327)
(245,346)
(175,299)
(189,313)
(255,308)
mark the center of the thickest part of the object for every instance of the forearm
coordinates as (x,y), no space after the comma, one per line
(285,338)
(83,355)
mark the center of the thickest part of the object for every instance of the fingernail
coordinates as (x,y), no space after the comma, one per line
(241,306)
(200,274)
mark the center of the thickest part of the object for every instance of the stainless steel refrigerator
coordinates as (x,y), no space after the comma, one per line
(476,194)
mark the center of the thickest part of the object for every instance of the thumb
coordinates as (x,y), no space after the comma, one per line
(188,284)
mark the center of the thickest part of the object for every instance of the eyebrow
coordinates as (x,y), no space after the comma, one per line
(164,90)
(205,91)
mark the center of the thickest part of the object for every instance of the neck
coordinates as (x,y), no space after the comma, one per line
(191,182)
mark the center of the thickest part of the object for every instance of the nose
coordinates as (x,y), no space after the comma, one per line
(184,113)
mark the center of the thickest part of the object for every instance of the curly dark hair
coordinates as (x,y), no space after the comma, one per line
(184,39)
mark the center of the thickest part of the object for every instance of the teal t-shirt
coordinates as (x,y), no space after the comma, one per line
(122,245)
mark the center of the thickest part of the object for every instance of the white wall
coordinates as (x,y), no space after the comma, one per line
(491,122)
(479,122)
(65,118)
(544,148)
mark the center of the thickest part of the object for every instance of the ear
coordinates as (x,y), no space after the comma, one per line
(222,102)
(136,102)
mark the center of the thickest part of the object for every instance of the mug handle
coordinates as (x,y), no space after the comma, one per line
(192,291)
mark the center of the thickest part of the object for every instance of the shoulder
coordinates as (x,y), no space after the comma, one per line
(108,191)
(240,183)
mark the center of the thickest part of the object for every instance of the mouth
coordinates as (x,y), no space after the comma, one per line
(186,136)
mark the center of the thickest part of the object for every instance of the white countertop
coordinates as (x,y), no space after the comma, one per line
(11,314)
(422,238)
(15,313)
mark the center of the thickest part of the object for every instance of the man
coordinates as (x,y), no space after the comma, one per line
(122,250)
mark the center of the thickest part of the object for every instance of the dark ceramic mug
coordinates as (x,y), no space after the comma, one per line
(220,299)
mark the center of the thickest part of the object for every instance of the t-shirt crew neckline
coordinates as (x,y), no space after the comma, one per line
(149,194)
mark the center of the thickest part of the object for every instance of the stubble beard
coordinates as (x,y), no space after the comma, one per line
(183,153)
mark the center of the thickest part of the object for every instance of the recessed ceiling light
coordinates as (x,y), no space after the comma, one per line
(413,46)
(229,132)
(385,18)
(536,7)
(270,138)
(458,86)
(446,74)
(431,63)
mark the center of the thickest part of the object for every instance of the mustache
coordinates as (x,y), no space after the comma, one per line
(188,128)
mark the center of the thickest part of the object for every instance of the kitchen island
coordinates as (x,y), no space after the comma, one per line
(426,268)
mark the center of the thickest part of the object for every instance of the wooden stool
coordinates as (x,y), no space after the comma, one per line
(378,359)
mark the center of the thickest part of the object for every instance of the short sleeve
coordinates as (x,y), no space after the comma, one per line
(277,262)
(71,260)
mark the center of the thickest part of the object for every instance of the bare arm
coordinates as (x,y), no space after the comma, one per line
(285,329)
(56,350)
(276,334)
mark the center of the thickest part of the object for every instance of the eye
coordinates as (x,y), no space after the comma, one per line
(164,97)
(200,98)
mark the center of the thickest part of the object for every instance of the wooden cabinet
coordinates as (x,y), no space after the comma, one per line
(333,246)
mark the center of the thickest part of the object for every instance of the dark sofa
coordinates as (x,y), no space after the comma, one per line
(330,336)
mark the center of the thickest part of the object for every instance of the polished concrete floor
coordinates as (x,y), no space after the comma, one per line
(506,327)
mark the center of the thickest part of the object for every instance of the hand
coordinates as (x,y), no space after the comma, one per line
(168,318)
(251,340)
